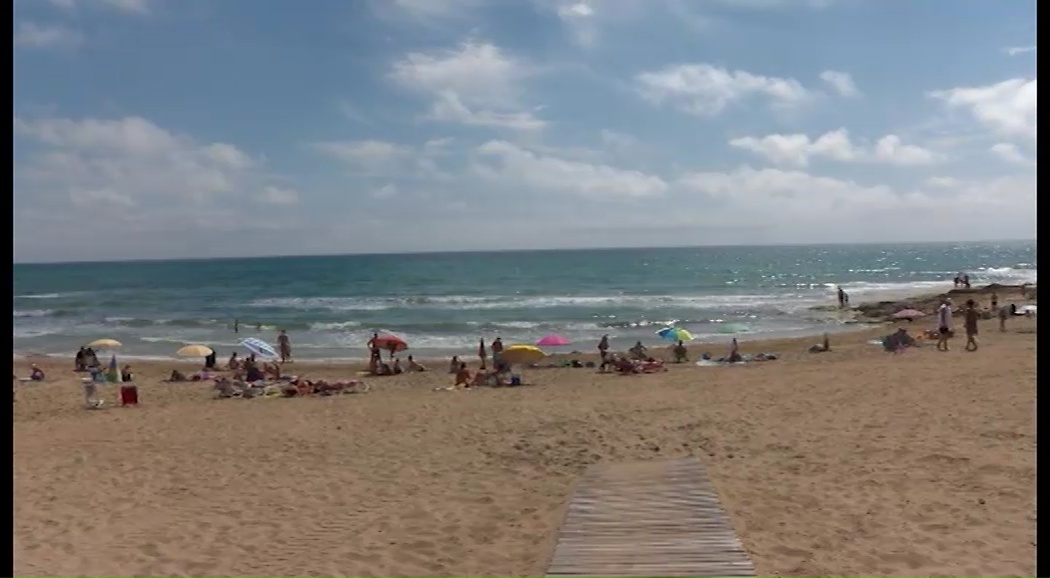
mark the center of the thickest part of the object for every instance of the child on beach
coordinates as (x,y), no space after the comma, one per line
(944,324)
(462,376)
(971,325)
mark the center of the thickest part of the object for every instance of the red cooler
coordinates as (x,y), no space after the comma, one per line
(129,395)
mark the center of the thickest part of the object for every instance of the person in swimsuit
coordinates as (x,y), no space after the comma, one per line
(285,346)
(944,324)
(971,326)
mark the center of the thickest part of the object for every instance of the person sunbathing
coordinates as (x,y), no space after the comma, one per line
(234,363)
(272,369)
(176,376)
(481,379)
(225,388)
(462,376)
(624,365)
(414,366)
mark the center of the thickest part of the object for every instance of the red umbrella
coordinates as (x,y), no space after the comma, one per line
(391,343)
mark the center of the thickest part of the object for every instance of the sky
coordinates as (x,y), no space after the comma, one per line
(149,129)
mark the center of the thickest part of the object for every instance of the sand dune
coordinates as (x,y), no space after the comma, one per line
(853,462)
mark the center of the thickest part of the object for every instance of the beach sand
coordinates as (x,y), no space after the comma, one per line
(847,463)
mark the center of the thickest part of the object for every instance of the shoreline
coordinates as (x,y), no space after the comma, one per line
(864,317)
(851,462)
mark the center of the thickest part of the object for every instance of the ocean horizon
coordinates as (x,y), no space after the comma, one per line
(443,302)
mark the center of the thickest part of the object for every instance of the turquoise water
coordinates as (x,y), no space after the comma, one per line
(442,303)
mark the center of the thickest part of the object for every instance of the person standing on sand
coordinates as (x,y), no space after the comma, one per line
(482,353)
(1004,312)
(603,351)
(995,301)
(971,326)
(944,324)
(284,346)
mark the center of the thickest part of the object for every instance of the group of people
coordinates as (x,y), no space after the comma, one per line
(85,359)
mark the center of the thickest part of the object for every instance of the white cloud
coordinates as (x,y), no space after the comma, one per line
(706,90)
(799,149)
(1007,107)
(579,18)
(364,153)
(33,35)
(123,162)
(449,108)
(278,196)
(788,202)
(841,82)
(474,84)
(515,166)
(1009,153)
(1016,50)
(128,6)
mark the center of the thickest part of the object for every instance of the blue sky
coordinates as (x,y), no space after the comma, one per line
(197,128)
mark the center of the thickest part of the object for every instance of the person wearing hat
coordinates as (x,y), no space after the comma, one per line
(944,324)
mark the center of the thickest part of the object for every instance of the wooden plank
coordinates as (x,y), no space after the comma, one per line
(658,518)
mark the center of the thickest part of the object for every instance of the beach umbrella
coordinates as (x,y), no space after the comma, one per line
(390,342)
(675,334)
(553,340)
(259,347)
(522,354)
(104,344)
(194,351)
(908,314)
(113,375)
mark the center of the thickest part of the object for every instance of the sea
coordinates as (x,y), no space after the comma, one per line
(443,303)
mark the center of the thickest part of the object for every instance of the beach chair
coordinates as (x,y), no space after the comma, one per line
(656,518)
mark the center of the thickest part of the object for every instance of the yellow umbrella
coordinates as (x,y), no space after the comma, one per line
(104,344)
(522,354)
(194,351)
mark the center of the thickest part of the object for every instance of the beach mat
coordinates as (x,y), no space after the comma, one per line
(655,518)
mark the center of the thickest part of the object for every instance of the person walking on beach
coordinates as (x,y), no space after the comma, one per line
(284,345)
(944,324)
(971,326)
(603,351)
(1004,313)
(482,353)
(843,298)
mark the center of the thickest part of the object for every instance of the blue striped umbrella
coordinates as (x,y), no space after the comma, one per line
(259,347)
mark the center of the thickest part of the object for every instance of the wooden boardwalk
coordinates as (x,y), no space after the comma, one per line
(658,518)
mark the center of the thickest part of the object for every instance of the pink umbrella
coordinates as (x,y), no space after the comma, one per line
(553,341)
(908,314)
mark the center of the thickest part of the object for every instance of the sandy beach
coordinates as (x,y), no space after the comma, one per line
(846,463)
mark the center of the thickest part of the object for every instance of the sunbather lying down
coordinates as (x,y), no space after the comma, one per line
(628,366)
(226,388)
